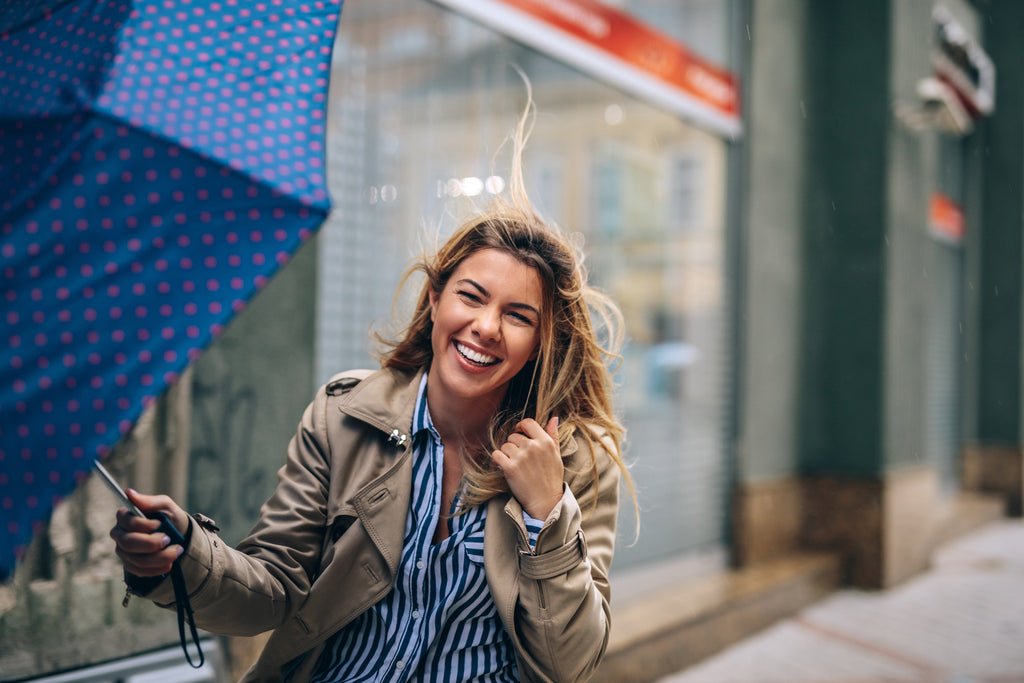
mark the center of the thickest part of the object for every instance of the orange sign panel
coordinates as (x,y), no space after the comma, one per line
(946,218)
(613,46)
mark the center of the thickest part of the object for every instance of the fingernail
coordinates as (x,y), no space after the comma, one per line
(165,541)
(180,550)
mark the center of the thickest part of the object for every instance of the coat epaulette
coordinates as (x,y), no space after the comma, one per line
(343,382)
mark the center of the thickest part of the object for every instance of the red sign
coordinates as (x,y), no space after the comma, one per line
(946,218)
(613,46)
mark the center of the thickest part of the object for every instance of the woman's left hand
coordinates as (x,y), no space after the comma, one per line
(532,465)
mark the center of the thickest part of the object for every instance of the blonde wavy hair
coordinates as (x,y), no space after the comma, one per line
(571,376)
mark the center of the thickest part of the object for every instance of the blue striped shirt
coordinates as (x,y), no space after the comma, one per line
(439,622)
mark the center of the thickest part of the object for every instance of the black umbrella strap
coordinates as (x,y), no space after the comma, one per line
(184,606)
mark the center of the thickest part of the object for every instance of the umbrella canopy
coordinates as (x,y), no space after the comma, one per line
(159,161)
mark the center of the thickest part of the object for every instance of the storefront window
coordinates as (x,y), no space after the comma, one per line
(422,100)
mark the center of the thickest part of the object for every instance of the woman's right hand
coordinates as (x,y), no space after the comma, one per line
(142,547)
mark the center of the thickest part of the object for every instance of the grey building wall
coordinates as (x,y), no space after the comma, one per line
(249,390)
(836,269)
(1000,243)
(854,323)
(845,227)
(772,263)
(909,173)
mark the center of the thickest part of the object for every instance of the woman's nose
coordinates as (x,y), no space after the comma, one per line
(488,324)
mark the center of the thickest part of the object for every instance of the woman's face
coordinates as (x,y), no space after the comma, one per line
(486,327)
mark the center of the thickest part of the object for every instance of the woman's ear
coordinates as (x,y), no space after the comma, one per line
(432,297)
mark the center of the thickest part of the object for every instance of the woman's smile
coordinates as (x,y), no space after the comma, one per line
(475,357)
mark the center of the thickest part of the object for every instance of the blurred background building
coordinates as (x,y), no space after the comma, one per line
(822,289)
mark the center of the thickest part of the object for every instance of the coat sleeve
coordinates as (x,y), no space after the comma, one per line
(258,585)
(562,616)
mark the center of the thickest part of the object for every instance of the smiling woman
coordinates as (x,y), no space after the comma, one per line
(455,508)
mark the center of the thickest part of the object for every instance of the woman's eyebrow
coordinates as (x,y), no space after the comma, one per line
(480,287)
(483,291)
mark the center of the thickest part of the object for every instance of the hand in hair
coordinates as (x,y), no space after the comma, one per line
(532,465)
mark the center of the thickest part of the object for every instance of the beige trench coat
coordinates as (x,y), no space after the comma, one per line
(328,542)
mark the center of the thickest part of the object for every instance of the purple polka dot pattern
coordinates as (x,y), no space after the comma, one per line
(159,161)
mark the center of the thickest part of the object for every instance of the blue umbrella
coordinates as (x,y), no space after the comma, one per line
(159,161)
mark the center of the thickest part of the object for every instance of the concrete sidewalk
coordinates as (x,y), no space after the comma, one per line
(960,622)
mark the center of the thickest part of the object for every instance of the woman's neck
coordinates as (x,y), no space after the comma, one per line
(459,423)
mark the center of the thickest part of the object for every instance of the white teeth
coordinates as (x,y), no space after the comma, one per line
(474,356)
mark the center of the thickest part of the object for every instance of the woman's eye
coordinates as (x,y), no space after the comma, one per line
(469,296)
(521,319)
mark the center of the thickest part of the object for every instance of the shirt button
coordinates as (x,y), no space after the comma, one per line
(419,564)
(399,665)
(416,614)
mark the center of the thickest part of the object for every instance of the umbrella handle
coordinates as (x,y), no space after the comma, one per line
(181,599)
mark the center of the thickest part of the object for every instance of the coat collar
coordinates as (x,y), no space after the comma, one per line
(385,399)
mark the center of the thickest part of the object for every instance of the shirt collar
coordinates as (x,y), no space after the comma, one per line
(421,415)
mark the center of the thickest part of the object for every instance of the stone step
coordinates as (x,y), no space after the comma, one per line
(678,626)
(967,512)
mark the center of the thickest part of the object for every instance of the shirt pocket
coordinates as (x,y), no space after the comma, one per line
(473,546)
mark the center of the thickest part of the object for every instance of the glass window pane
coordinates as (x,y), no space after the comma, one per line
(422,101)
